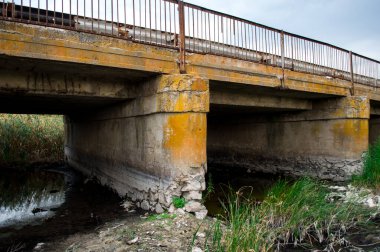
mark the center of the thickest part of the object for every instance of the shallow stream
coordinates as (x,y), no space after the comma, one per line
(45,203)
(48,203)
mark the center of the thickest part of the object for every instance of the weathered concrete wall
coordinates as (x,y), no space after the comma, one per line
(374,129)
(325,142)
(150,148)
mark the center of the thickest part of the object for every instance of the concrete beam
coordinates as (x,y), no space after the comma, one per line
(217,68)
(258,101)
(61,84)
(32,41)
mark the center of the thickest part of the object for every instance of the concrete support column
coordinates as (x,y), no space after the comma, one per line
(150,148)
(326,142)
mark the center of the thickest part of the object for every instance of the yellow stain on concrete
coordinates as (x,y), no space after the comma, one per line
(185,138)
(351,135)
(183,93)
(182,82)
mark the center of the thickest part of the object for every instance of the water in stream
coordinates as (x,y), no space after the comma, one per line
(41,204)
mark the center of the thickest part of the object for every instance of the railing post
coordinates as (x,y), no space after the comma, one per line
(283,59)
(352,91)
(181,40)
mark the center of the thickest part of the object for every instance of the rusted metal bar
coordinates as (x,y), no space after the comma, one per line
(283,59)
(181,42)
(352,90)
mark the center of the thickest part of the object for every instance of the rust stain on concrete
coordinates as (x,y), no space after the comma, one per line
(185,138)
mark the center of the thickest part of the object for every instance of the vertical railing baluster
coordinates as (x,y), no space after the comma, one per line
(352,73)
(70,24)
(54,3)
(98,16)
(62,16)
(92,15)
(30,10)
(46,12)
(13,9)
(21,10)
(38,12)
(181,42)
(283,58)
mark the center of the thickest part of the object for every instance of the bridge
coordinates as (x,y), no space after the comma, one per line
(155,90)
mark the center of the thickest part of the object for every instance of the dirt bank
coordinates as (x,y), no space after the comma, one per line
(165,232)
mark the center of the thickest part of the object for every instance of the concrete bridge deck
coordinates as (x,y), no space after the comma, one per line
(134,120)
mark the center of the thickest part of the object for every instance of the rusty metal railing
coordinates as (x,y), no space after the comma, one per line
(192,29)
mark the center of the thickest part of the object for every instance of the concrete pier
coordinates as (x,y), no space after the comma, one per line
(150,148)
(325,142)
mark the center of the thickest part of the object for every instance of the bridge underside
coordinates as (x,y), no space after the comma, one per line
(149,132)
(321,137)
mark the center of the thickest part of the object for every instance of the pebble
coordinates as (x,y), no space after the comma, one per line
(196,249)
(200,215)
(201,235)
(133,241)
(39,246)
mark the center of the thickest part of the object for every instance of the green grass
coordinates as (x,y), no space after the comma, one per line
(163,216)
(31,138)
(292,213)
(370,175)
(178,202)
(210,189)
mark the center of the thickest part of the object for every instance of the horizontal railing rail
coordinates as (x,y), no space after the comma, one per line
(190,28)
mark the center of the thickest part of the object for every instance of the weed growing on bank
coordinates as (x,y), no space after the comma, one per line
(292,213)
(370,175)
(178,202)
(31,138)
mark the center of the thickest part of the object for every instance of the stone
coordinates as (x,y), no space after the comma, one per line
(179,211)
(133,241)
(39,246)
(200,215)
(192,195)
(145,205)
(201,235)
(194,206)
(171,209)
(196,249)
(159,208)
(127,205)
(192,185)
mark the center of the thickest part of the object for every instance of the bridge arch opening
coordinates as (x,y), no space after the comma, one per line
(285,132)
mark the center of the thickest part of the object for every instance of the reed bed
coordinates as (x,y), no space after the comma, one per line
(31,138)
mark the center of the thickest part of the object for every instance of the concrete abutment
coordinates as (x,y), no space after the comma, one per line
(149,148)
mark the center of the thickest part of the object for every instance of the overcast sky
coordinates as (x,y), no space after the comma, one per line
(351,24)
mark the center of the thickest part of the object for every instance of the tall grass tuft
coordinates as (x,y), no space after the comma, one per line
(31,138)
(370,175)
(292,213)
